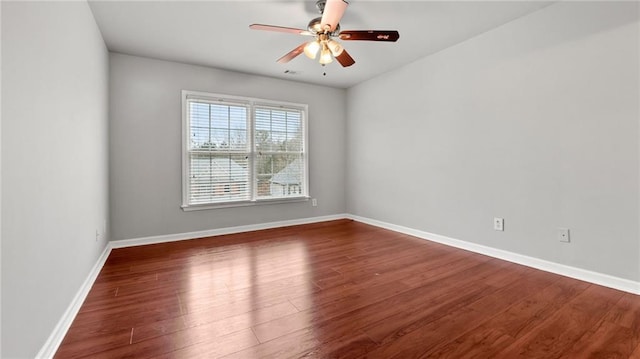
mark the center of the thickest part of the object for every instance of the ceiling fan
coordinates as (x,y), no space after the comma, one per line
(324,29)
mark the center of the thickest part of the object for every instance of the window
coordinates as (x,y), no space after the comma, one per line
(242,151)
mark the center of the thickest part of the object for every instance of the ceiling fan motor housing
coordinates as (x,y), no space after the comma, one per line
(315,27)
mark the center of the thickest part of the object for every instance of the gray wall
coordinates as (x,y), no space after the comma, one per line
(54,164)
(535,121)
(145,147)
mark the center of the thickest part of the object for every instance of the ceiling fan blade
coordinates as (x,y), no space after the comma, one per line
(289,30)
(370,35)
(345,59)
(333,11)
(292,54)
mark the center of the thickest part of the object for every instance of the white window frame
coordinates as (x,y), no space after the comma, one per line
(251,103)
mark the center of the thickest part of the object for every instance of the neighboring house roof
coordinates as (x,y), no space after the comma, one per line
(224,169)
(292,174)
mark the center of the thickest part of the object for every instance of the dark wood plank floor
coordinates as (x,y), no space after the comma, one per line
(341,289)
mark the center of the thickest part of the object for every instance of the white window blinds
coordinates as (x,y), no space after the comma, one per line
(237,151)
(218,152)
(280,166)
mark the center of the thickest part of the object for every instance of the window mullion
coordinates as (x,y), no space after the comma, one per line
(211,177)
(253,182)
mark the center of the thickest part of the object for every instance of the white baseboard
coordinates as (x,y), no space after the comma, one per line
(55,339)
(49,348)
(622,284)
(52,344)
(221,231)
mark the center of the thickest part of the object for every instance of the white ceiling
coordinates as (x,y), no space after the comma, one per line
(217,34)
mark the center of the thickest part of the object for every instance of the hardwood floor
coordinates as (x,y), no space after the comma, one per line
(341,289)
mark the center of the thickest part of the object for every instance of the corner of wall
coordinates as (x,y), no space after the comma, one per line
(54,340)
(1,180)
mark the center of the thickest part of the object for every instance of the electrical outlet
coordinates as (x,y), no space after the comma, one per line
(498,224)
(314,202)
(97,235)
(563,235)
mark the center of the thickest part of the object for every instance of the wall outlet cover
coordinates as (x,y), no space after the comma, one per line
(563,235)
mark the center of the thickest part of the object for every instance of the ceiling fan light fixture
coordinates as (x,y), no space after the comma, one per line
(311,50)
(335,47)
(325,55)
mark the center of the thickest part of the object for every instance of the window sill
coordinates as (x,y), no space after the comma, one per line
(189,208)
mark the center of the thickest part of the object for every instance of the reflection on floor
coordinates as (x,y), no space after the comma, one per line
(341,289)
